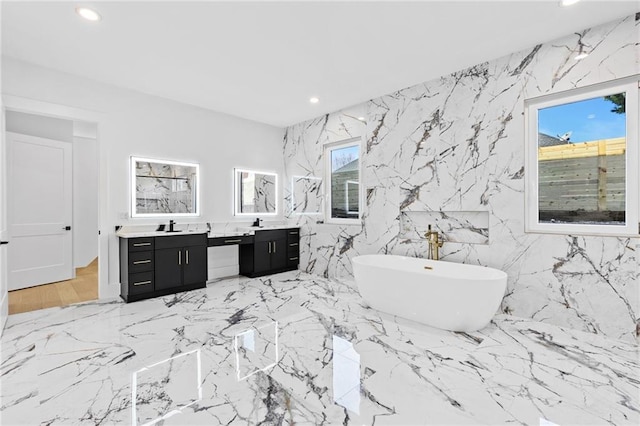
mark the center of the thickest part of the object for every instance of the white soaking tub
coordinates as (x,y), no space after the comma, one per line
(446,295)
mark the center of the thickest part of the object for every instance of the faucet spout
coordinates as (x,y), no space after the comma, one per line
(435,243)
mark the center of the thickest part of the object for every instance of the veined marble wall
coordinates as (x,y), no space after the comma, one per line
(457,144)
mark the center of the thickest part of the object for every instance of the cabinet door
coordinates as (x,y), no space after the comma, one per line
(195,265)
(279,253)
(168,270)
(261,256)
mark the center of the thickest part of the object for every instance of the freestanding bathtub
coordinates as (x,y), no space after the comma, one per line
(451,296)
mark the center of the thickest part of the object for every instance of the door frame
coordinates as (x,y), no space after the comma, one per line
(32,106)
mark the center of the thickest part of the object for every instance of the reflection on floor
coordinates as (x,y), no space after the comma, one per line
(298,349)
(82,288)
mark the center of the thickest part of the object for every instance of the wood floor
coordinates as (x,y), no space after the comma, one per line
(80,289)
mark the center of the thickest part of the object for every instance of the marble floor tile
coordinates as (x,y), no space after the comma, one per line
(297,349)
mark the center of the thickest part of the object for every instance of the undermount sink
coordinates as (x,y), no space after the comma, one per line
(259,228)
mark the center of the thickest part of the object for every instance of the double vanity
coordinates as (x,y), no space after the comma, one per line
(164,262)
(159,263)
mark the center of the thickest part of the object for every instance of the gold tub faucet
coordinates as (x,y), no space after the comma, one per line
(433,237)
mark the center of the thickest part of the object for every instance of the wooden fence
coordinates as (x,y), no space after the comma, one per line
(345,195)
(587,177)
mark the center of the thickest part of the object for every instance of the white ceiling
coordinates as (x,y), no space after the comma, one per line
(264,60)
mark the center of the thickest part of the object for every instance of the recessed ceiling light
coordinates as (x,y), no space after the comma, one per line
(581,56)
(314,100)
(88,14)
(566,3)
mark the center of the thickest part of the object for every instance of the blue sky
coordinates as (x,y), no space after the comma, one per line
(342,156)
(589,120)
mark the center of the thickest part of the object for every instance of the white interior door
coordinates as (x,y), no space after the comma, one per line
(39,186)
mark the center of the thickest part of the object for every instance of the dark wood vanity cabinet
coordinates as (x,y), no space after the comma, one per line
(293,248)
(181,260)
(270,253)
(136,266)
(156,266)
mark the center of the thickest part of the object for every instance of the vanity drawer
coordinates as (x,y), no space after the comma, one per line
(269,235)
(293,259)
(293,242)
(230,241)
(179,241)
(293,237)
(140,244)
(140,261)
(141,283)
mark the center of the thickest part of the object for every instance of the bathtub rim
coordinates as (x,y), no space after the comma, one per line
(440,267)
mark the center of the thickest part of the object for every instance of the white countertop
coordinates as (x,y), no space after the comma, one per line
(156,234)
(239,232)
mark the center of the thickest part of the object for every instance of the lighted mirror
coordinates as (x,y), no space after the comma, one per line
(306,195)
(256,193)
(163,188)
(582,161)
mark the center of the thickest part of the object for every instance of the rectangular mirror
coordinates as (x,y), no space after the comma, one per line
(164,188)
(256,193)
(306,195)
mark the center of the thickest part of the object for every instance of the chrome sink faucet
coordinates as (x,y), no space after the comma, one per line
(433,237)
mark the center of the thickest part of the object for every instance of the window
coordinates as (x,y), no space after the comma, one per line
(582,161)
(342,167)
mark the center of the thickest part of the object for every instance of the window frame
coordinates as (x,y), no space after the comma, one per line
(327,149)
(632,160)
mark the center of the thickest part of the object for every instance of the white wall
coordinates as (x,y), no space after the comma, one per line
(148,126)
(85,201)
(40,126)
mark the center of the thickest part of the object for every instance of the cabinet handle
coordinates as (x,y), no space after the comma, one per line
(179,257)
(187,256)
(293,244)
(293,233)
(140,262)
(274,246)
(142,283)
(269,247)
(293,258)
(141,244)
(232,241)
